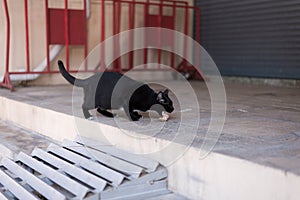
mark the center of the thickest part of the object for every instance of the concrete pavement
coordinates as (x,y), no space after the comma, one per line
(260,138)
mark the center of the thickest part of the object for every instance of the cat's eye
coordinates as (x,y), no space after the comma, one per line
(162,101)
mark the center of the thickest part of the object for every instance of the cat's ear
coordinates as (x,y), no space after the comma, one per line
(166,91)
(160,98)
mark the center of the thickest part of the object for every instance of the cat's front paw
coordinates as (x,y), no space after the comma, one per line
(135,116)
(91,118)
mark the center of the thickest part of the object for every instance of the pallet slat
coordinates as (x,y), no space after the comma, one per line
(3,197)
(141,191)
(36,183)
(113,162)
(63,181)
(114,177)
(91,180)
(14,187)
(148,164)
(74,171)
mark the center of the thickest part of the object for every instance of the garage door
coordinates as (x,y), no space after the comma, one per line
(259,38)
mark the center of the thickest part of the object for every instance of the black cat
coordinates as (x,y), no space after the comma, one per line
(111,90)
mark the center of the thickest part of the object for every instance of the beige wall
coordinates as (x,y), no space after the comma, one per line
(2,38)
(37,31)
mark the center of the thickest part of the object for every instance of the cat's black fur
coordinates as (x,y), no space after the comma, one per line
(110,90)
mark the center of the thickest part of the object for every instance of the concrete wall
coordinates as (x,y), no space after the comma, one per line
(215,177)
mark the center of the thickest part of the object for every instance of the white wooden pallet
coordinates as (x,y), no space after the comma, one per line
(75,170)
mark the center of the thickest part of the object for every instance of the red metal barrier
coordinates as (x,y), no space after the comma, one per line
(68,27)
(6,80)
(164,21)
(60,24)
(151,20)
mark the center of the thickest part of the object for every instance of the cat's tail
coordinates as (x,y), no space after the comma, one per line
(71,79)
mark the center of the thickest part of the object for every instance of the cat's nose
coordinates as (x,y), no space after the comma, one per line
(171,109)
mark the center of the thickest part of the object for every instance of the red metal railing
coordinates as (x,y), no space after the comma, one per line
(6,80)
(165,21)
(68,27)
(65,27)
(151,20)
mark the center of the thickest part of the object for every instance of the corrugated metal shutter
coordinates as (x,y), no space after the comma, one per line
(258,38)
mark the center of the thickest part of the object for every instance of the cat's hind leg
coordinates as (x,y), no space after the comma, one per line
(86,112)
(133,115)
(106,113)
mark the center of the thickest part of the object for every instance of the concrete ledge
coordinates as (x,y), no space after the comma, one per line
(44,121)
(215,177)
(5,151)
(223,177)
